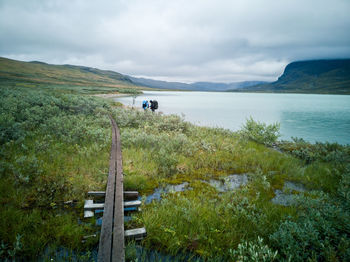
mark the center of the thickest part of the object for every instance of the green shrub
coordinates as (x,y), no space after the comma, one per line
(325,152)
(321,231)
(260,132)
(253,251)
(54,147)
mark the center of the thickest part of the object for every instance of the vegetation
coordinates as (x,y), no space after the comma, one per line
(260,132)
(55,146)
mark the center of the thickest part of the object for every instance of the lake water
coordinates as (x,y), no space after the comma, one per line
(312,117)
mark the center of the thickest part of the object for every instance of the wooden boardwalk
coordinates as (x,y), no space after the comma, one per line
(111,244)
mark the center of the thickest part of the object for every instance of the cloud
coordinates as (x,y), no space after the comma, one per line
(197,40)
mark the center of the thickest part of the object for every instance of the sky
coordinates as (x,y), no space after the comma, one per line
(182,40)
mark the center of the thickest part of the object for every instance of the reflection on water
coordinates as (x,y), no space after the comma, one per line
(312,117)
(229,183)
(157,195)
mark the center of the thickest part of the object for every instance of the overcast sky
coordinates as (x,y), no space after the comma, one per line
(182,40)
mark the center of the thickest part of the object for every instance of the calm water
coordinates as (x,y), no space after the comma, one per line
(312,117)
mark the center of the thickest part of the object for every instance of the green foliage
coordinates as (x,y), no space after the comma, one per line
(203,222)
(321,231)
(253,251)
(54,147)
(9,253)
(260,132)
(325,152)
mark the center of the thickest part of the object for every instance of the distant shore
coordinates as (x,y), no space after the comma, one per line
(111,95)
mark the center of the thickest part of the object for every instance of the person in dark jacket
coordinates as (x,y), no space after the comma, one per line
(154,105)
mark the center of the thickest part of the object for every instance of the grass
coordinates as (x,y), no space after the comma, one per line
(202,220)
(55,144)
(54,148)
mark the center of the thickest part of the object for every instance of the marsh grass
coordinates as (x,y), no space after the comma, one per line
(55,147)
(201,220)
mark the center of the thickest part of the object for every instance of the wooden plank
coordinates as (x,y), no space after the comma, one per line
(118,252)
(88,202)
(135,203)
(97,193)
(94,206)
(88,213)
(127,194)
(131,194)
(104,249)
(136,233)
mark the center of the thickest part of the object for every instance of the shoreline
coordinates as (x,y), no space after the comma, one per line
(111,95)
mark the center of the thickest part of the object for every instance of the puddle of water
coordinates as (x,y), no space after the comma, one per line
(157,195)
(288,185)
(229,183)
(284,197)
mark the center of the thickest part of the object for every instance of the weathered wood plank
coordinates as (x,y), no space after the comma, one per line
(135,233)
(93,206)
(118,252)
(127,194)
(104,250)
(90,205)
(135,203)
(131,194)
(88,213)
(97,193)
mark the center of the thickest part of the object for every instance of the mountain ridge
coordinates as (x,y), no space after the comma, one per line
(196,86)
(330,76)
(324,76)
(43,73)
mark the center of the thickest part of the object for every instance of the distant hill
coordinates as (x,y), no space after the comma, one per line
(315,76)
(197,86)
(42,73)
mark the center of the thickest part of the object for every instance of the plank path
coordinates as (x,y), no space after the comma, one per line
(111,244)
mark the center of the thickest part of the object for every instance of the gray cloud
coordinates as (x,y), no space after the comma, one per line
(198,40)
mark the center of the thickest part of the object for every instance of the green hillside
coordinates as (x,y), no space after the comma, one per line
(86,79)
(317,76)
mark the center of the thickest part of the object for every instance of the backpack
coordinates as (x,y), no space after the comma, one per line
(155,104)
(144,104)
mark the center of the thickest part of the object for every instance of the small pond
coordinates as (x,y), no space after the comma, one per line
(228,183)
(157,195)
(285,197)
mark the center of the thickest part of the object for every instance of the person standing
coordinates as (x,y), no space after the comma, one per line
(145,104)
(154,105)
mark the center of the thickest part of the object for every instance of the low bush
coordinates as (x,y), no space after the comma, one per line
(321,230)
(260,132)
(253,251)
